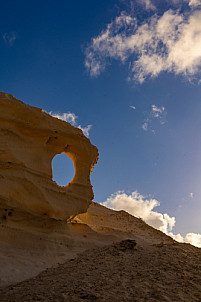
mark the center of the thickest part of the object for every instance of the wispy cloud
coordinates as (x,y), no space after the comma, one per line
(71,118)
(170,43)
(139,206)
(85,130)
(158,113)
(148,4)
(68,117)
(145,125)
(9,38)
(132,107)
(191,3)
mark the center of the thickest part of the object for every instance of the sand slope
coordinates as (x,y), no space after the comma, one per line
(30,244)
(119,272)
(91,263)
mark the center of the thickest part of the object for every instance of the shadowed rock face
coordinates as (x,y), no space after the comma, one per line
(29,140)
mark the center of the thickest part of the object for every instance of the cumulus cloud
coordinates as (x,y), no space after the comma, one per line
(194,3)
(137,205)
(170,43)
(9,38)
(192,238)
(71,118)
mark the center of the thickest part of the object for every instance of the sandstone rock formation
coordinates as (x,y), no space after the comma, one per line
(29,140)
(93,266)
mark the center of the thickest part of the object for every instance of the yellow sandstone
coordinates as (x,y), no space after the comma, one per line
(29,140)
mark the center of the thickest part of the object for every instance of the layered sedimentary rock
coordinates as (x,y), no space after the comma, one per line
(29,140)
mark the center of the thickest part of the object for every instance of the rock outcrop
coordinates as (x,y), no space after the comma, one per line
(29,140)
(145,265)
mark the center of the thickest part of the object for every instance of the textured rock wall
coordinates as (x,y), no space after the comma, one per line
(29,140)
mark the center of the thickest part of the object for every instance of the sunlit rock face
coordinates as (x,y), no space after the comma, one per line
(29,140)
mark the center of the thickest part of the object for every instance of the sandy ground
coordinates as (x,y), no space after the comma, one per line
(91,259)
(119,272)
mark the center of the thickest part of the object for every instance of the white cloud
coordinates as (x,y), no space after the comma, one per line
(191,195)
(147,4)
(137,205)
(145,125)
(194,3)
(158,113)
(67,117)
(132,107)
(85,129)
(170,43)
(192,238)
(9,38)
(71,118)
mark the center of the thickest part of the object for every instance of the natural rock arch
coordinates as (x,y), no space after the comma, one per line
(29,140)
(60,163)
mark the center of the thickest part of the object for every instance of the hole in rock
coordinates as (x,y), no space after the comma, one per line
(63,169)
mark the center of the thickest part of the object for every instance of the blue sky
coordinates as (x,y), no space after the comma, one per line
(128,73)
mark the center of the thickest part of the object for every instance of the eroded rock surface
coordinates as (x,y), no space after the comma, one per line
(29,140)
(31,240)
